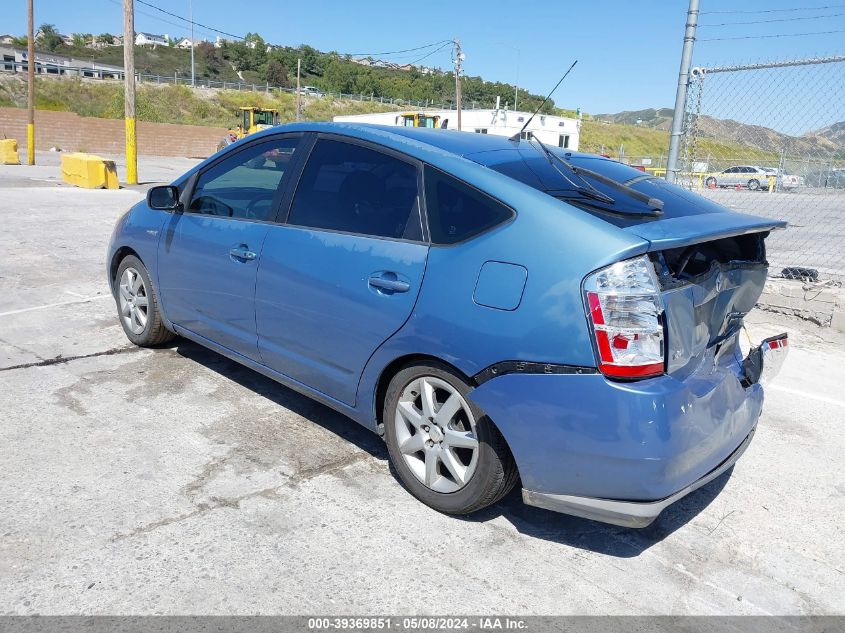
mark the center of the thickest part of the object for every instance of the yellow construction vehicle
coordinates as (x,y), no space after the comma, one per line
(253,119)
(418,119)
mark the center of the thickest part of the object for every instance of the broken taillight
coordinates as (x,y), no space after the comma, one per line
(624,307)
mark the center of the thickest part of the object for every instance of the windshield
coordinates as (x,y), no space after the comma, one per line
(264,118)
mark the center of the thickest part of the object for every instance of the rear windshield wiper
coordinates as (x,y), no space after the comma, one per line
(655,204)
(586,189)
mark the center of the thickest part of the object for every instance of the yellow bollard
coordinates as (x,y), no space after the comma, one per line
(9,152)
(30,143)
(131,153)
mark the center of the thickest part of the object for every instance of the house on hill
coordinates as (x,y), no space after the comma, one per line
(149,39)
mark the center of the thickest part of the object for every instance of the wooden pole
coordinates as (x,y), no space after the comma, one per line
(298,93)
(129,91)
(458,60)
(30,89)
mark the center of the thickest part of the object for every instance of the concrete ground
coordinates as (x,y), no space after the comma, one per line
(173,481)
(816,218)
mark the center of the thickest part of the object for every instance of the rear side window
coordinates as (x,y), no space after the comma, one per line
(354,189)
(244,184)
(456,211)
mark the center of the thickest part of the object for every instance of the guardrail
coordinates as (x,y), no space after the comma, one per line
(113,74)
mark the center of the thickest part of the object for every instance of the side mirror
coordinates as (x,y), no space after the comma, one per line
(164,198)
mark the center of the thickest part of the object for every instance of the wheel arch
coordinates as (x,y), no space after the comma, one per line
(119,255)
(393,368)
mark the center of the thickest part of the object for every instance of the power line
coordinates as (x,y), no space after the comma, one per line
(762,37)
(437,50)
(184,19)
(406,50)
(792,10)
(811,17)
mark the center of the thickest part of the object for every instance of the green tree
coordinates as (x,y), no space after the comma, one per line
(277,74)
(105,38)
(48,37)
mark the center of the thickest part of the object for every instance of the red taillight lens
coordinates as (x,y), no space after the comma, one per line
(624,305)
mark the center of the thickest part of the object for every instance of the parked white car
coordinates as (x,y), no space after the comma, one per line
(753,177)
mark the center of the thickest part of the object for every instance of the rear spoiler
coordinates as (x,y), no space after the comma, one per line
(692,229)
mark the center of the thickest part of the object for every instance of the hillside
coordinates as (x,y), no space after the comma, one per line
(168,103)
(253,61)
(640,141)
(827,141)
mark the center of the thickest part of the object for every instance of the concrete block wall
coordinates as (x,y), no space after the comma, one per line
(820,304)
(73,133)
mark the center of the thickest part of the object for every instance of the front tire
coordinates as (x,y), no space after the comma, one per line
(137,304)
(445,450)
(710,182)
(753,184)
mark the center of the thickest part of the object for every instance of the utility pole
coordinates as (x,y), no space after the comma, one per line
(298,93)
(681,94)
(459,57)
(516,87)
(191,18)
(30,89)
(129,91)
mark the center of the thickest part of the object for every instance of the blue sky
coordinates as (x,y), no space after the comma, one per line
(628,50)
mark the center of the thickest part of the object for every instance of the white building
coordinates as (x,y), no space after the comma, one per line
(185,42)
(16,60)
(551,130)
(148,39)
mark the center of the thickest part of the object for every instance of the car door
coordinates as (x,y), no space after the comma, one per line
(730,177)
(208,255)
(342,275)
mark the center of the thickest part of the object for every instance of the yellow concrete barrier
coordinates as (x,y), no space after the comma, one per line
(89,171)
(9,152)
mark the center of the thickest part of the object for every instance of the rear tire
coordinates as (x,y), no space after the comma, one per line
(137,304)
(446,451)
(710,182)
(753,184)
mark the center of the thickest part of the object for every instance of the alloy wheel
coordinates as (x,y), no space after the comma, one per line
(134,301)
(436,434)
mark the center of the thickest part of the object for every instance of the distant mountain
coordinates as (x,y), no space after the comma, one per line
(660,119)
(828,140)
(834,133)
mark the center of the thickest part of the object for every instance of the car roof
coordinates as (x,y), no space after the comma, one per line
(448,141)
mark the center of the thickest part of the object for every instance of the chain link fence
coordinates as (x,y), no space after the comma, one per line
(116,74)
(769,139)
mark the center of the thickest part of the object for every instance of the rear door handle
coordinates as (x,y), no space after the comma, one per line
(242,253)
(388,283)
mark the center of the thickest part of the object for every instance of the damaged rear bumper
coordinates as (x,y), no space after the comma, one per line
(621,452)
(634,514)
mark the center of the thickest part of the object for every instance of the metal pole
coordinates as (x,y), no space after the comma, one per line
(516,87)
(681,94)
(191,18)
(458,59)
(298,93)
(129,91)
(30,90)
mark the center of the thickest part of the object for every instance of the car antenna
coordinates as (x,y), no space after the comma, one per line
(516,136)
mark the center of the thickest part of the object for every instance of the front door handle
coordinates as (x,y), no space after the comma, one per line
(388,283)
(242,253)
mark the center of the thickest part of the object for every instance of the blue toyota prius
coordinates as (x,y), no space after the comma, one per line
(498,310)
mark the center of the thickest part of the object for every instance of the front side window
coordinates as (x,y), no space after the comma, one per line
(354,189)
(456,211)
(244,185)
